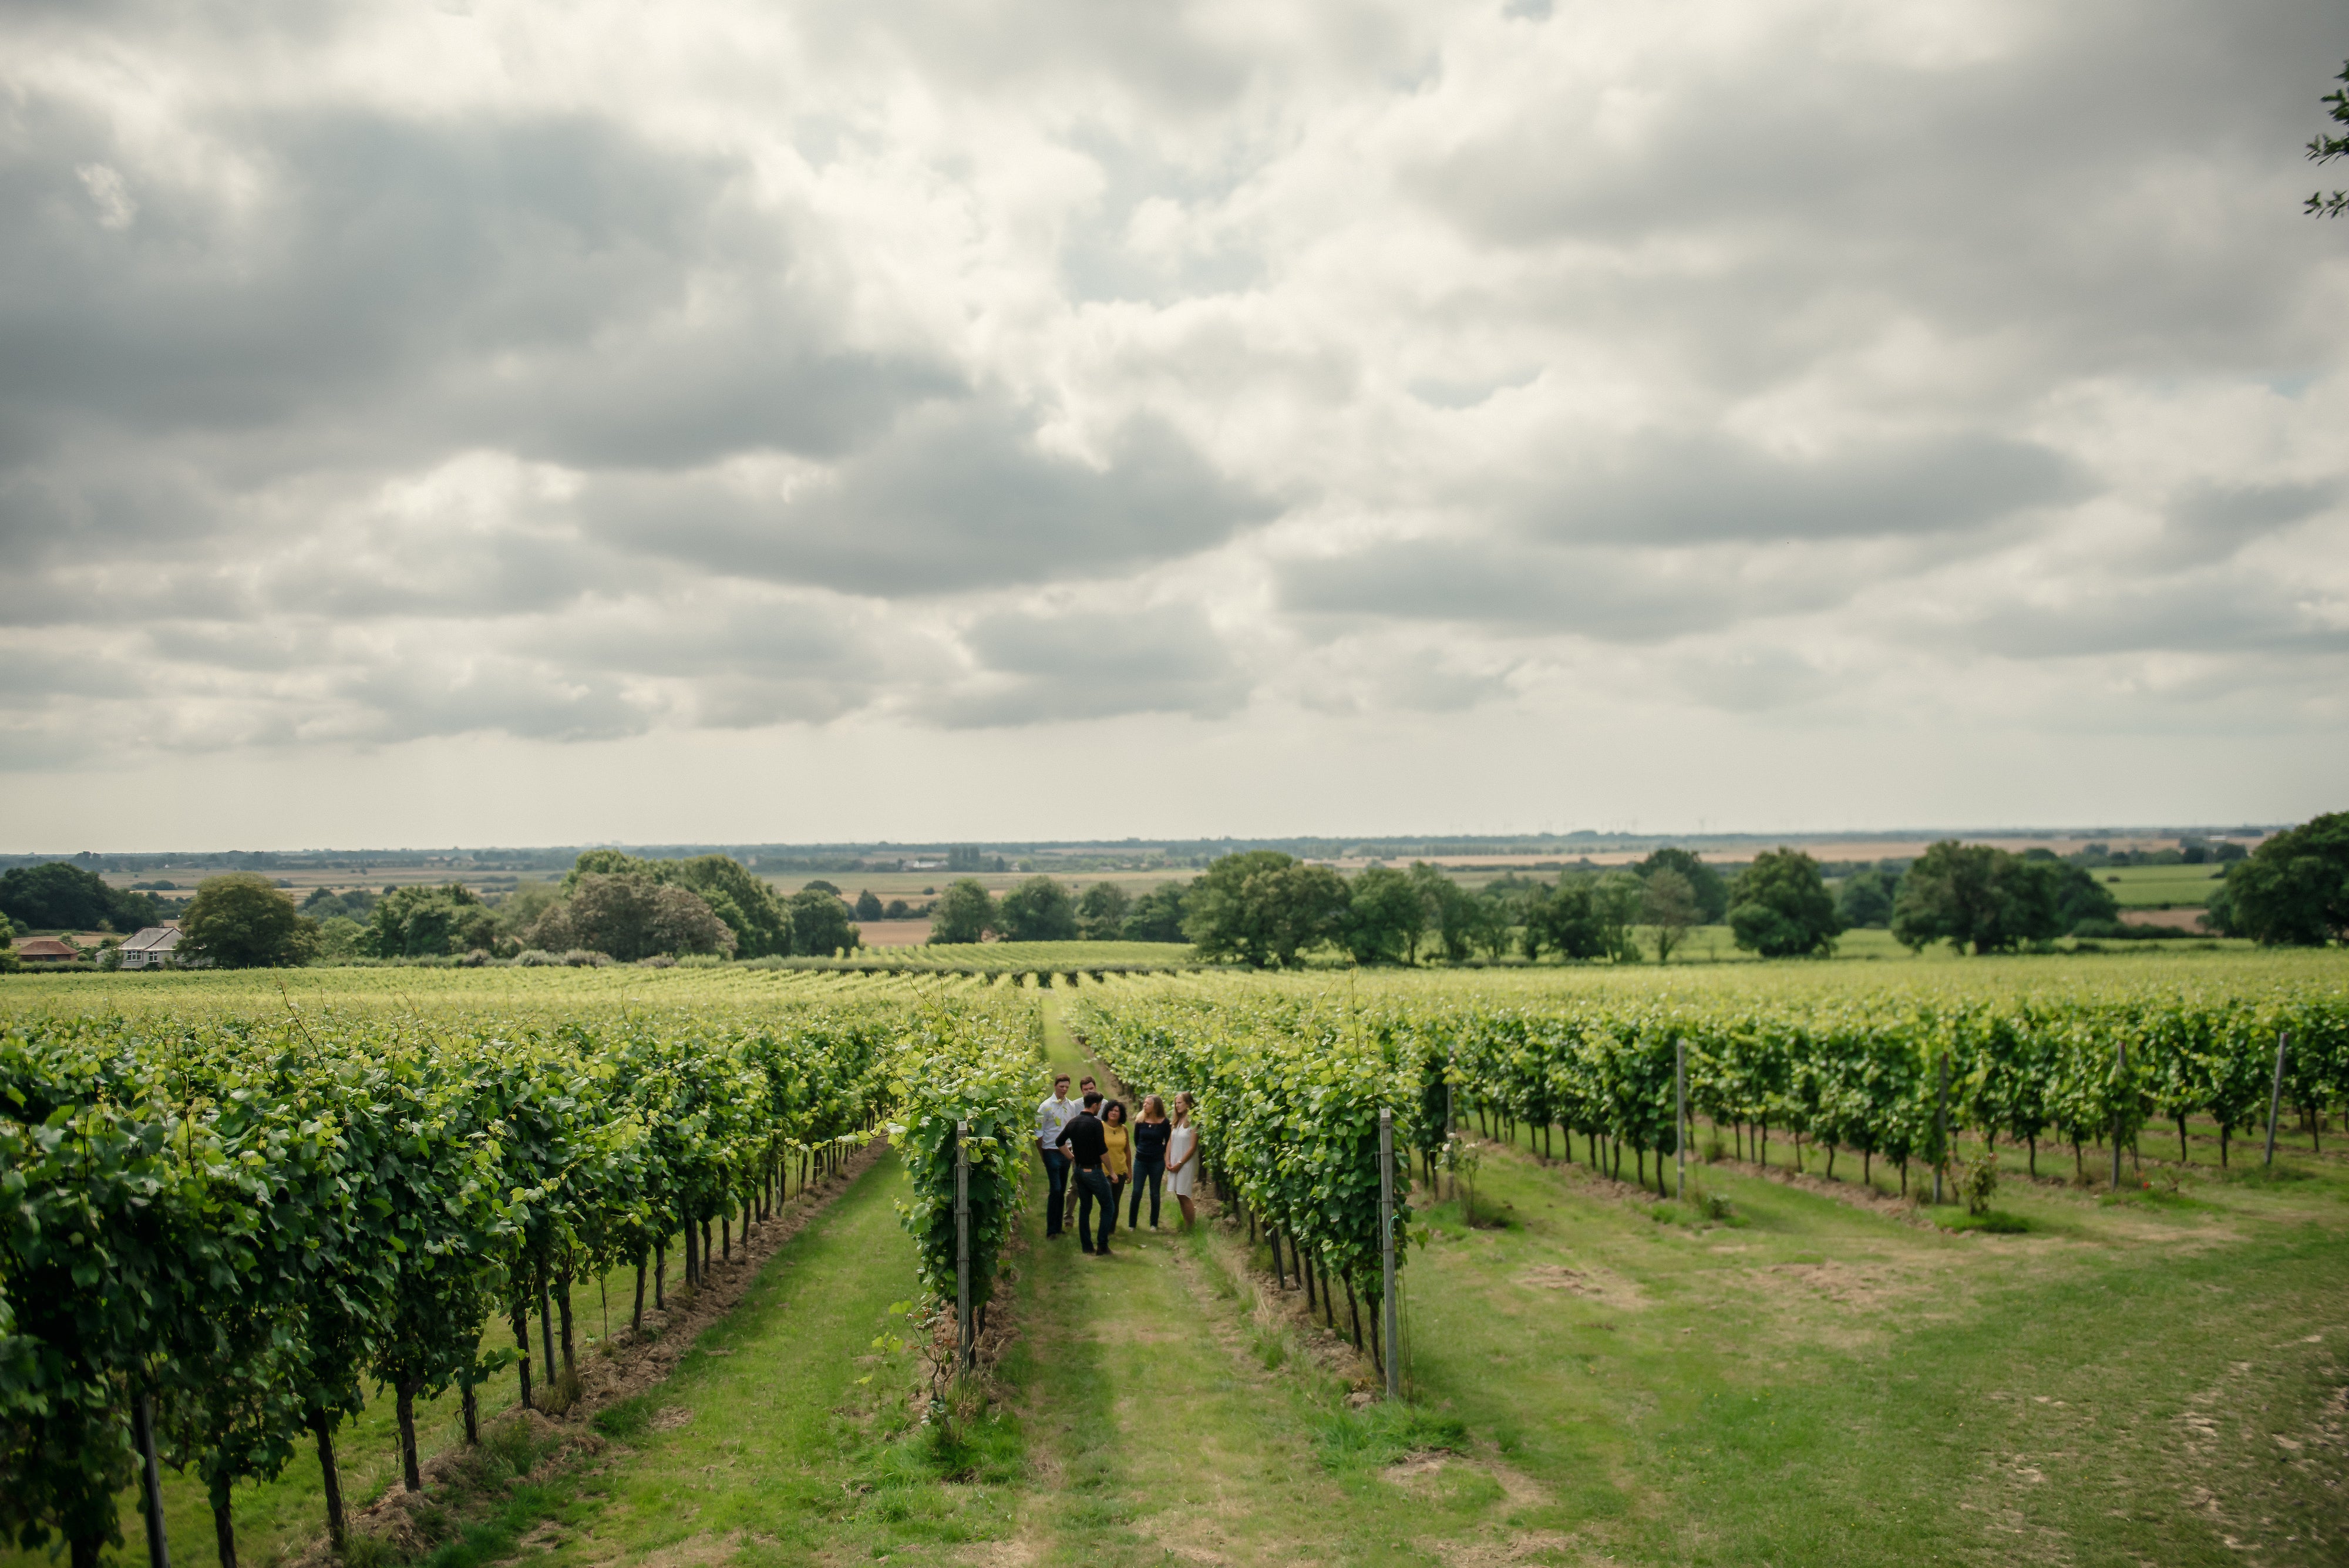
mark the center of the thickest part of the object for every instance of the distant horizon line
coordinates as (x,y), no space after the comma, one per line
(1429,843)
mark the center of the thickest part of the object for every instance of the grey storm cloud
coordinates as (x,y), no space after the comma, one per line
(1092,664)
(1668,491)
(954,496)
(1610,593)
(371,372)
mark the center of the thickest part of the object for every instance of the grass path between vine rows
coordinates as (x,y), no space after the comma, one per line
(1142,1418)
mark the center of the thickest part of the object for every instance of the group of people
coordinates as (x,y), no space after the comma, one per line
(1094,1159)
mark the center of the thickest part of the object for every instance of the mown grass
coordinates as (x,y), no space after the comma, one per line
(1834,1383)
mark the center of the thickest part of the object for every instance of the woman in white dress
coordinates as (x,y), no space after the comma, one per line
(1183,1158)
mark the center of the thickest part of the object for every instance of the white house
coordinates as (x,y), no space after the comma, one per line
(154,948)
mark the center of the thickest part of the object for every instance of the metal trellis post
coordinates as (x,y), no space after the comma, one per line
(1387,1253)
(2120,1062)
(965,1350)
(1941,1130)
(1680,1113)
(151,1482)
(2275,1096)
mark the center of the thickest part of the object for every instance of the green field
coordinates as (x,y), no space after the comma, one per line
(2161,886)
(1806,1370)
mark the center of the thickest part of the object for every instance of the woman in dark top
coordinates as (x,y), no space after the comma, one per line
(1150,1136)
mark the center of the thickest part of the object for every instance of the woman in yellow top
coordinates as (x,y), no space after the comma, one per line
(1117,1157)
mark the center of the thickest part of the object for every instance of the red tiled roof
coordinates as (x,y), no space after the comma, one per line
(45,948)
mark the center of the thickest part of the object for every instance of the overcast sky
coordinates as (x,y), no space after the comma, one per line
(995,418)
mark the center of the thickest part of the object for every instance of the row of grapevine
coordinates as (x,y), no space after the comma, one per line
(1867,1077)
(211,1230)
(978,1069)
(1288,1088)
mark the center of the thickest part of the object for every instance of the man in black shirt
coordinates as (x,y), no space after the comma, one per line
(1083,1140)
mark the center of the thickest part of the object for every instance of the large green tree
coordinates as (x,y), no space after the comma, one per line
(1158,915)
(1865,898)
(1976,895)
(417,923)
(1038,910)
(1705,884)
(1384,916)
(1780,907)
(1262,907)
(1668,909)
(965,912)
(2293,891)
(820,924)
(241,920)
(629,916)
(58,896)
(1566,923)
(1102,911)
(759,921)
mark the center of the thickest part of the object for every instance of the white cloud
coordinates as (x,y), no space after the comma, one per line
(1197,378)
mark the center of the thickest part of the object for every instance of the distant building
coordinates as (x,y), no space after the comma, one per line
(154,948)
(47,949)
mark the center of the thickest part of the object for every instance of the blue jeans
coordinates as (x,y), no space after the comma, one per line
(1056,1171)
(1153,1171)
(1093,1189)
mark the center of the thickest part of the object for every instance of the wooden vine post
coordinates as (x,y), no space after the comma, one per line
(2275,1096)
(1388,1312)
(965,1352)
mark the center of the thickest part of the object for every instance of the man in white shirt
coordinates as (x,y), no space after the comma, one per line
(1051,1117)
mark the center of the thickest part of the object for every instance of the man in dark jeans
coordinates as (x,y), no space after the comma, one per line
(1051,1117)
(1083,1140)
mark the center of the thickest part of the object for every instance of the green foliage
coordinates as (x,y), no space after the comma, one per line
(1865,900)
(820,923)
(1567,923)
(965,912)
(410,922)
(2323,149)
(983,1068)
(629,915)
(1101,912)
(241,920)
(1781,908)
(1705,884)
(1976,895)
(1977,1180)
(759,923)
(1038,910)
(1158,915)
(1668,907)
(245,1210)
(1289,1086)
(56,895)
(2293,890)
(1262,907)
(1385,917)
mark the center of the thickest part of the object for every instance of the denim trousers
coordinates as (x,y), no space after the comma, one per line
(1093,1189)
(1056,1171)
(1153,1173)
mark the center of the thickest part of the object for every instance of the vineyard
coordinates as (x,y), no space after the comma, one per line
(250,1214)
(227,1210)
